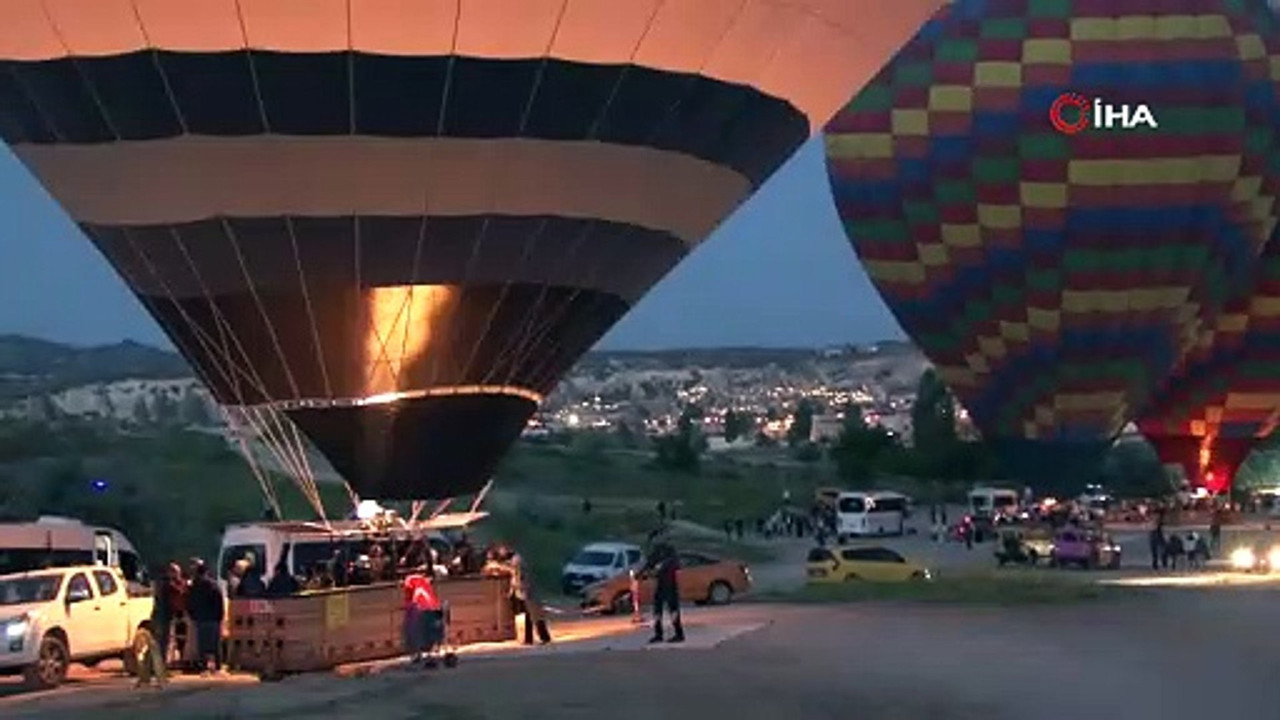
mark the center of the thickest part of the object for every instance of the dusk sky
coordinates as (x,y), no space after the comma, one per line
(778,273)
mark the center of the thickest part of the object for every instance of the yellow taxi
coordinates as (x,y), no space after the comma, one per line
(867,563)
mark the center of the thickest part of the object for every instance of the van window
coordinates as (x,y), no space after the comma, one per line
(851,505)
(882,555)
(633,557)
(130,566)
(890,505)
(1004,501)
(235,553)
(106,583)
(979,502)
(820,555)
(307,555)
(25,560)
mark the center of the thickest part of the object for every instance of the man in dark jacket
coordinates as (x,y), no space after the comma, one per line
(205,606)
(162,611)
(664,566)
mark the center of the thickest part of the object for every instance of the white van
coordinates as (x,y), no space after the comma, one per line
(306,545)
(993,503)
(877,513)
(53,541)
(596,562)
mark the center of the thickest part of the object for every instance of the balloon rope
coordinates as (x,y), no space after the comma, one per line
(268,490)
(211,351)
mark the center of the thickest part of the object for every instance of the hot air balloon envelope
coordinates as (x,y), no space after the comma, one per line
(1056,275)
(400,222)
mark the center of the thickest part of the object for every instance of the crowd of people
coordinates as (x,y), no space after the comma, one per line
(188,606)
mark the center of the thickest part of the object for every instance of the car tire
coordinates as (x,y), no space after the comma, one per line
(50,668)
(621,604)
(1033,558)
(852,577)
(720,593)
(918,576)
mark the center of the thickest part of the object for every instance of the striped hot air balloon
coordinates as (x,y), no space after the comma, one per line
(1056,275)
(399,222)
(1225,395)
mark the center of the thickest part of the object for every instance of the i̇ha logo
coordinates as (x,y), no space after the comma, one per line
(1072,113)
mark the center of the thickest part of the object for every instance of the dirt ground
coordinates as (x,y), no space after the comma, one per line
(1193,654)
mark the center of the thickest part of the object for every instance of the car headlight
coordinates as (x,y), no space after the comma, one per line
(1273,557)
(15,629)
(1243,559)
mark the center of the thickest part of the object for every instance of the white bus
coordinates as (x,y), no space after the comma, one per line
(877,513)
(993,503)
(305,545)
(53,541)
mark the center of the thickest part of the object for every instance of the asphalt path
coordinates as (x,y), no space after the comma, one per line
(1170,655)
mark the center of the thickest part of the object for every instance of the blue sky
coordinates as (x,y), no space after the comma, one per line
(777,273)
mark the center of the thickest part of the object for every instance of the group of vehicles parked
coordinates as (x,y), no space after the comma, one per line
(1072,546)
(601,575)
(69,593)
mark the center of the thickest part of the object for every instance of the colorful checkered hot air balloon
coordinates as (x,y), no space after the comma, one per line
(1225,395)
(1052,194)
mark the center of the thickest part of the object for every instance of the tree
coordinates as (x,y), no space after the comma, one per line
(681,451)
(625,436)
(801,424)
(859,449)
(736,425)
(933,416)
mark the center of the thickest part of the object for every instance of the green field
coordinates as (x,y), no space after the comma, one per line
(173,492)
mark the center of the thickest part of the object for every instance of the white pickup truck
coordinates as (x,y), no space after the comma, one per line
(51,618)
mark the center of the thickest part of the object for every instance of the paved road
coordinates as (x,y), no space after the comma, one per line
(1176,655)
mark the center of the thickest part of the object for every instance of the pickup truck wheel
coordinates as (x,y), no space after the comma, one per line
(50,668)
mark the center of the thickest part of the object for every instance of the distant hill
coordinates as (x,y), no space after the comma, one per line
(30,366)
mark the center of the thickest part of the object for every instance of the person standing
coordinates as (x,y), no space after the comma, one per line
(419,599)
(205,605)
(1215,530)
(522,589)
(162,614)
(664,565)
(1156,541)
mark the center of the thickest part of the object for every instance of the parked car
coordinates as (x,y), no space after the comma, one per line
(1261,558)
(871,563)
(1088,549)
(51,618)
(597,562)
(702,579)
(1024,545)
